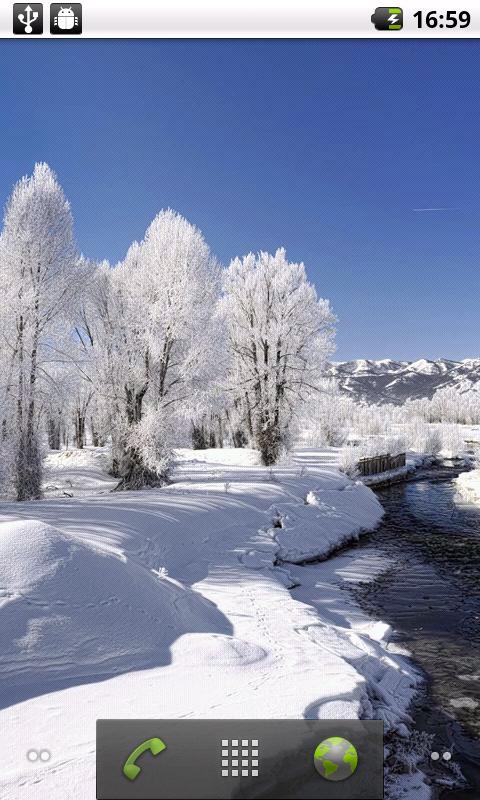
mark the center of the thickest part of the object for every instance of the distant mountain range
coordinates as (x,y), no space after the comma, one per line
(388,381)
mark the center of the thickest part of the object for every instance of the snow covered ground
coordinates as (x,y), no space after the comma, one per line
(188,601)
(468,486)
(76,473)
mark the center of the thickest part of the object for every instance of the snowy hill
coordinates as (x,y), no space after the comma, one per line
(66,607)
(388,381)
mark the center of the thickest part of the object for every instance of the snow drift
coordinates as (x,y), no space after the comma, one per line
(69,611)
(468,486)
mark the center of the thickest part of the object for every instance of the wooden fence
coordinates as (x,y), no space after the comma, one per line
(379,464)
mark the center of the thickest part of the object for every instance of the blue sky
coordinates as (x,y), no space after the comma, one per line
(324,147)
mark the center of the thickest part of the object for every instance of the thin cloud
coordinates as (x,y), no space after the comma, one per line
(419,210)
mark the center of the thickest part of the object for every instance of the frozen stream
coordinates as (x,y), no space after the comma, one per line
(432,600)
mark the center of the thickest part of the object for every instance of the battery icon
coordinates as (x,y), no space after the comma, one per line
(388,19)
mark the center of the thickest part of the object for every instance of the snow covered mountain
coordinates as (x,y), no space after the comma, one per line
(388,381)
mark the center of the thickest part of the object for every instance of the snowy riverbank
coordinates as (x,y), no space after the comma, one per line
(177,603)
(468,486)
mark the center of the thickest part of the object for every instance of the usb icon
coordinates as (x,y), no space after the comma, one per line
(28,19)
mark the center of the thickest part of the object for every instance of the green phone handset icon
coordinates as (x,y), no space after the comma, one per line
(130,769)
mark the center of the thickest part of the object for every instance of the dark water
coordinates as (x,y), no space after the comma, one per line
(432,600)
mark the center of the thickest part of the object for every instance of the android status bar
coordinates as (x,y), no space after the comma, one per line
(239,19)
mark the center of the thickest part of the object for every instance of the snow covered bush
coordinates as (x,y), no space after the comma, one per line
(433,439)
(349,458)
(393,445)
(382,445)
(370,420)
(424,438)
(325,419)
(332,434)
(432,443)
(453,443)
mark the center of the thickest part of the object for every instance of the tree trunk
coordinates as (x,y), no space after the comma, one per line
(239,438)
(33,461)
(10,383)
(133,472)
(268,442)
(199,441)
(220,431)
(135,475)
(248,415)
(54,432)
(79,435)
(97,439)
(20,478)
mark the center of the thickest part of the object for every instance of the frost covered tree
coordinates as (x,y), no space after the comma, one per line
(38,281)
(158,343)
(280,334)
(326,419)
(449,404)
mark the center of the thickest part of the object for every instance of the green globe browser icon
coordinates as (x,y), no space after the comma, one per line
(335,759)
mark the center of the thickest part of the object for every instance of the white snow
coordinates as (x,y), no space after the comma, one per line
(178,603)
(362,366)
(468,486)
(73,473)
(425,367)
(66,607)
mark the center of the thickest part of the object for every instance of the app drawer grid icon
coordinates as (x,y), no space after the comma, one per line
(239,758)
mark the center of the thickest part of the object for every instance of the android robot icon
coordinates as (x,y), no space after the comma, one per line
(66,19)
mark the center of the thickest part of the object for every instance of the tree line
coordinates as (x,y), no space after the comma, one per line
(141,355)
